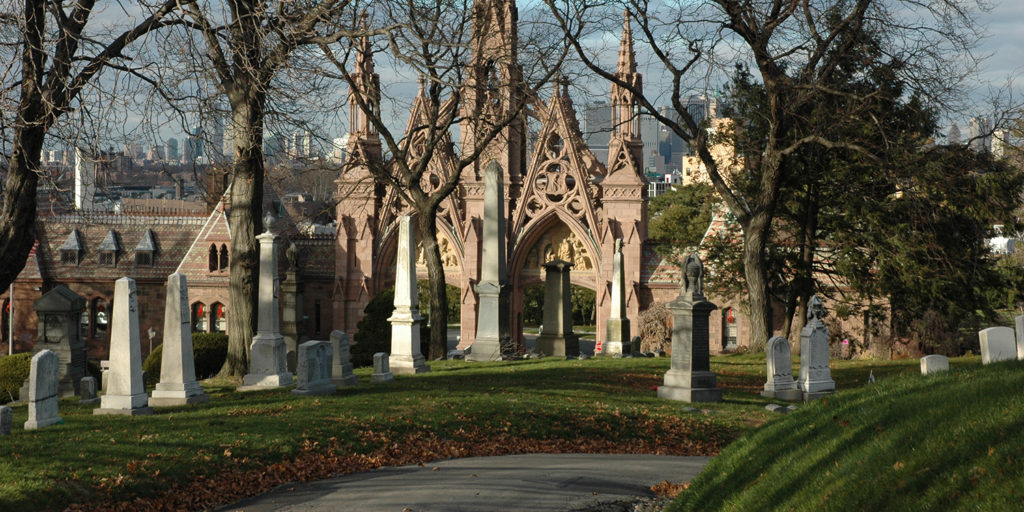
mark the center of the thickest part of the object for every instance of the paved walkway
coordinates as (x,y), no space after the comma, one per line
(539,482)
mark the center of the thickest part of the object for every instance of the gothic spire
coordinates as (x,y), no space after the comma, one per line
(627,57)
(625,115)
(367,81)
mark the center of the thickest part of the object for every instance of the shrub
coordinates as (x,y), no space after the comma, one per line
(655,328)
(14,370)
(374,330)
(209,349)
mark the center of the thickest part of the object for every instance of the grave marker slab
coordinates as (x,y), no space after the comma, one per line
(315,359)
(6,420)
(815,374)
(43,379)
(997,344)
(87,387)
(780,382)
(341,371)
(934,364)
(125,391)
(381,372)
(1018,324)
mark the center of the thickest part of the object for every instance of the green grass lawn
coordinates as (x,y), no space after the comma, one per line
(241,444)
(953,441)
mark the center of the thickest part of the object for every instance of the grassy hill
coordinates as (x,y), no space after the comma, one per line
(952,441)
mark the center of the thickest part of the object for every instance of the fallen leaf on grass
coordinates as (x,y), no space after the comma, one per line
(669,489)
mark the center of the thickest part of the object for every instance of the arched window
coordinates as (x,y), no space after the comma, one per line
(199,312)
(729,329)
(213,257)
(220,317)
(101,316)
(223,257)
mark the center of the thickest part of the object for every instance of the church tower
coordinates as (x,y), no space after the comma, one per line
(358,197)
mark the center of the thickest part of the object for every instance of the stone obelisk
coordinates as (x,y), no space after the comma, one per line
(178,384)
(268,364)
(492,325)
(617,326)
(406,357)
(690,379)
(125,393)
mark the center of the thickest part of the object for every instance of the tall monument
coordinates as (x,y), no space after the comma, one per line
(492,328)
(267,355)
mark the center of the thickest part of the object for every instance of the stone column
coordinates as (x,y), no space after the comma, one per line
(815,375)
(178,384)
(690,379)
(291,300)
(405,356)
(617,326)
(492,325)
(267,359)
(125,392)
(42,391)
(557,338)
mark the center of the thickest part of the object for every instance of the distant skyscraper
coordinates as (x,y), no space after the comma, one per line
(1000,140)
(954,136)
(85,180)
(339,149)
(301,144)
(597,125)
(172,149)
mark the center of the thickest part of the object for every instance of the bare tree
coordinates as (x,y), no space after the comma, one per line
(793,47)
(465,82)
(245,44)
(60,55)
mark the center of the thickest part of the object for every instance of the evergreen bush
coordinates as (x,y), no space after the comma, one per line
(14,370)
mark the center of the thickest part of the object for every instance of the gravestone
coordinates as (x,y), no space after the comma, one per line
(780,382)
(315,359)
(406,358)
(178,384)
(492,324)
(268,360)
(60,329)
(381,372)
(617,326)
(815,374)
(689,378)
(1018,323)
(933,364)
(556,335)
(997,344)
(42,390)
(6,420)
(125,392)
(634,345)
(341,369)
(87,390)
(291,306)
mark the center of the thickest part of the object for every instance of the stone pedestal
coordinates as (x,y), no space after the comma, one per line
(406,358)
(492,323)
(341,364)
(178,384)
(780,382)
(125,392)
(689,378)
(267,359)
(60,312)
(314,378)
(617,325)
(42,391)
(557,338)
(815,375)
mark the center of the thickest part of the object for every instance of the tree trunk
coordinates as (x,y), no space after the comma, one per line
(244,217)
(427,228)
(803,283)
(17,218)
(755,236)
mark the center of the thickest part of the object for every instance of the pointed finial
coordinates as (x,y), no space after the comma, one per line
(419,84)
(627,57)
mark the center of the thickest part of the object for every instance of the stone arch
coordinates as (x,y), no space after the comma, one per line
(520,277)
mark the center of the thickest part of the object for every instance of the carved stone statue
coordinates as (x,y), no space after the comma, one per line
(815,309)
(292,255)
(693,275)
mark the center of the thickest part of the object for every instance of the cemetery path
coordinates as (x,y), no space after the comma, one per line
(534,482)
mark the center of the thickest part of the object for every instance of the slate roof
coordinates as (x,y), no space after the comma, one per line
(146,243)
(109,242)
(73,243)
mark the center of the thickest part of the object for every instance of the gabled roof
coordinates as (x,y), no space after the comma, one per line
(146,243)
(73,242)
(109,242)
